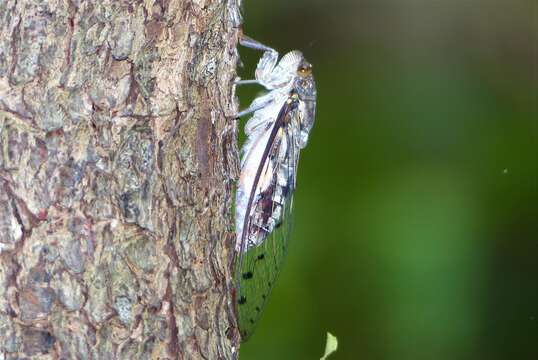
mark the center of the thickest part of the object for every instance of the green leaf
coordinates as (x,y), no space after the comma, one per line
(331,346)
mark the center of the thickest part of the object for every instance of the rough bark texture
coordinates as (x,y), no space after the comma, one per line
(116,170)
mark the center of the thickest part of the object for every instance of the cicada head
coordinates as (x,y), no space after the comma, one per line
(305,87)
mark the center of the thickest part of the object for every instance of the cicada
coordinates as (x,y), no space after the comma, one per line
(277,131)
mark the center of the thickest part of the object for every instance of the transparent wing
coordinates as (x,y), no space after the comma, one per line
(269,217)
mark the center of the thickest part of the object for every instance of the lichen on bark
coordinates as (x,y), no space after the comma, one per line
(117,162)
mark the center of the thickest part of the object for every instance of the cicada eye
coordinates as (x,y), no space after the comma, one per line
(305,70)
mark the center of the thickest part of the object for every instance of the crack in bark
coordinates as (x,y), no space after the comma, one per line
(72,9)
(173,346)
(14,49)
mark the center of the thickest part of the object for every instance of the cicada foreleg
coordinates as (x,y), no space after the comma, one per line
(250,43)
(266,64)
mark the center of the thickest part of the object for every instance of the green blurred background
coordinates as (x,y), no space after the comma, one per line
(415,233)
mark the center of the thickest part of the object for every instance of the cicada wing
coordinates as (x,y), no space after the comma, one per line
(259,265)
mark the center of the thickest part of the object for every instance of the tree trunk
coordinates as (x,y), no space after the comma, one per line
(116,170)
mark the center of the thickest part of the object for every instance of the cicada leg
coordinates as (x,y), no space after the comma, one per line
(249,42)
(246,82)
(255,106)
(266,64)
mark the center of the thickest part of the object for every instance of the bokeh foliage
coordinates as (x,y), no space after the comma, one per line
(415,231)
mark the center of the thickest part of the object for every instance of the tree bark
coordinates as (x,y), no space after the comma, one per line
(117,163)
